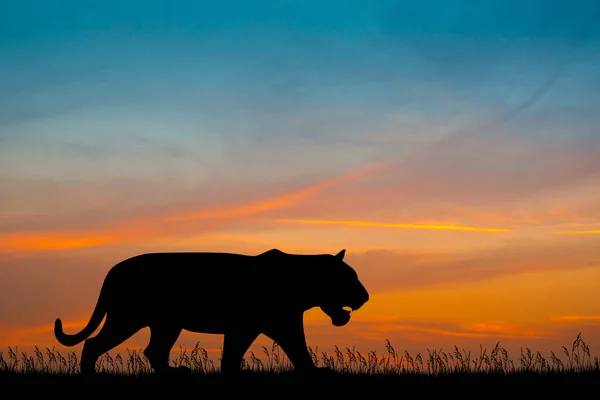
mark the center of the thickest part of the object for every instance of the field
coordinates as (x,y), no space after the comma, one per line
(573,366)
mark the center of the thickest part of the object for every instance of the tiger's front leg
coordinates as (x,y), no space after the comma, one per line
(289,335)
(235,344)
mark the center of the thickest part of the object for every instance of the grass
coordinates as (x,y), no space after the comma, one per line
(574,364)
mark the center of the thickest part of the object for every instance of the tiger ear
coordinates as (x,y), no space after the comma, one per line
(341,254)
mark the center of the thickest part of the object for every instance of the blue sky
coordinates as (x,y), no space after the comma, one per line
(152,97)
(102,91)
(200,61)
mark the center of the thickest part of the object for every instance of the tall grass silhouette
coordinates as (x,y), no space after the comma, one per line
(347,361)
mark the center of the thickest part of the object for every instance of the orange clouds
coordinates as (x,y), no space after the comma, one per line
(436,331)
(578,318)
(37,334)
(592,232)
(505,329)
(75,325)
(117,234)
(162,226)
(275,202)
(401,269)
(191,222)
(494,329)
(569,224)
(392,225)
(51,241)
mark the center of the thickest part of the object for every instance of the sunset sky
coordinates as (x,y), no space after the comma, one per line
(451,147)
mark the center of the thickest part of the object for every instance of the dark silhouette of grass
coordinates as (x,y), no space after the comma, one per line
(574,366)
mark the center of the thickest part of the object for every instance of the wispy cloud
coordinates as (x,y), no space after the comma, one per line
(276,202)
(436,331)
(491,329)
(498,169)
(139,228)
(578,318)
(570,224)
(36,334)
(507,329)
(394,225)
(591,232)
(52,241)
(67,325)
(496,180)
(389,270)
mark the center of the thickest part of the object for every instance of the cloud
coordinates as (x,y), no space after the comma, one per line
(494,169)
(571,224)
(276,202)
(142,228)
(51,241)
(576,318)
(393,225)
(23,333)
(491,329)
(392,270)
(498,180)
(481,175)
(589,232)
(390,329)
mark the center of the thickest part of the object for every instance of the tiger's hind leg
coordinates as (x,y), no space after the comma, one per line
(115,331)
(162,339)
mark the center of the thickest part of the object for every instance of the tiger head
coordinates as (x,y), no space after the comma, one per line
(342,292)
